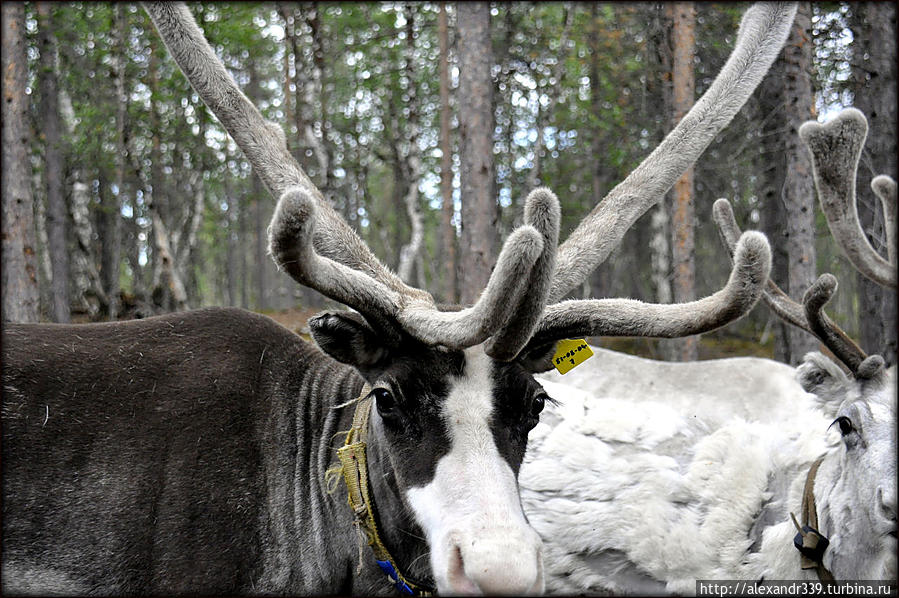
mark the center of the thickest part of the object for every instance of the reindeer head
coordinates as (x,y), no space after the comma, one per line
(453,389)
(855,488)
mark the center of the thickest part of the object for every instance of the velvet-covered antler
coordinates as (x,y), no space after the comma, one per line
(763,31)
(318,249)
(762,34)
(836,147)
(808,315)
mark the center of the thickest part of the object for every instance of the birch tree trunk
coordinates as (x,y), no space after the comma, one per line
(410,251)
(19,271)
(54,171)
(479,208)
(446,164)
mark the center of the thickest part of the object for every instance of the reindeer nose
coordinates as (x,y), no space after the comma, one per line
(508,565)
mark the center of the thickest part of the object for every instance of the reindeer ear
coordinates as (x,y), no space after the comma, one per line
(824,379)
(345,336)
(537,358)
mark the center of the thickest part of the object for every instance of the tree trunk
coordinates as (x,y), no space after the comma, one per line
(19,272)
(232,248)
(600,280)
(163,260)
(682,246)
(479,211)
(87,290)
(112,206)
(54,171)
(873,81)
(769,164)
(787,189)
(450,292)
(798,187)
(321,147)
(259,194)
(242,217)
(410,251)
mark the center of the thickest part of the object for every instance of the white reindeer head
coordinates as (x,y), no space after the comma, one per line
(855,488)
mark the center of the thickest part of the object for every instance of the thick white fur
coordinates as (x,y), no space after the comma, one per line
(471,513)
(661,474)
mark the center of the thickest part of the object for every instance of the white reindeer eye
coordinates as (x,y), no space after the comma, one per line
(845,424)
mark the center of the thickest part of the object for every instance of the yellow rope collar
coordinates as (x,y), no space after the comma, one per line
(354,467)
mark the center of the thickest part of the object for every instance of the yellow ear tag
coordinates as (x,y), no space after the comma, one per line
(571,353)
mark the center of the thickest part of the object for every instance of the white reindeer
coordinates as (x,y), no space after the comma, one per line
(646,481)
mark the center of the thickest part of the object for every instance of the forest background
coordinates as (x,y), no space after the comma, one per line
(426,125)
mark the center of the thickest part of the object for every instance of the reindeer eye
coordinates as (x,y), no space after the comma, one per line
(384,401)
(845,425)
(538,405)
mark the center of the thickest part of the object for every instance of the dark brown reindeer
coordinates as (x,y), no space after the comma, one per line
(188,453)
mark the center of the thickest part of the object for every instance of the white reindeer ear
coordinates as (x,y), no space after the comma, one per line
(824,379)
(345,336)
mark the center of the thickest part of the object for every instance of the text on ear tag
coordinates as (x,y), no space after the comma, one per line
(570,353)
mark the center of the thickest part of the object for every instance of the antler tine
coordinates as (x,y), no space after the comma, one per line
(262,142)
(836,147)
(884,188)
(628,317)
(762,34)
(508,283)
(779,302)
(814,300)
(809,315)
(543,213)
(290,243)
(290,240)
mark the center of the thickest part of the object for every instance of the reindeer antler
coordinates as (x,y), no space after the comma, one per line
(628,317)
(317,248)
(763,31)
(762,34)
(809,315)
(836,147)
(884,188)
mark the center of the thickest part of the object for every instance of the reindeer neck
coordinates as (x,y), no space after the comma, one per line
(336,562)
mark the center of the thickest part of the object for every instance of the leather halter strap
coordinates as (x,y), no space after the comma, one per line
(354,467)
(811,543)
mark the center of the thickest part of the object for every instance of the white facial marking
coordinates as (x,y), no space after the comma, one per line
(471,512)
